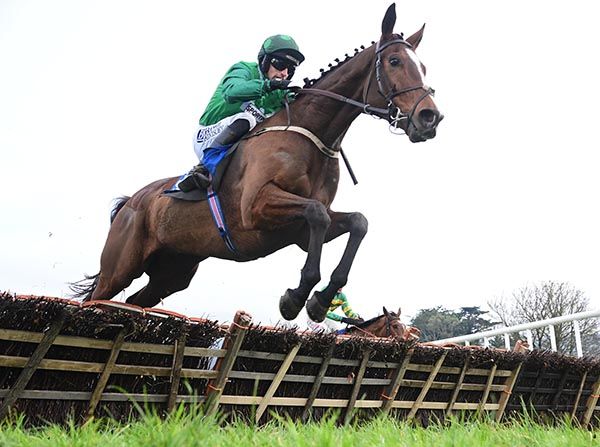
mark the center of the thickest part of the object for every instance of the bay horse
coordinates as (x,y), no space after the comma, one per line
(387,325)
(278,188)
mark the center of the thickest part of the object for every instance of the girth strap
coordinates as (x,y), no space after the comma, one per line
(217,213)
(330,152)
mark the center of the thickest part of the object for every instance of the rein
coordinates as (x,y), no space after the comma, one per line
(388,328)
(366,332)
(366,108)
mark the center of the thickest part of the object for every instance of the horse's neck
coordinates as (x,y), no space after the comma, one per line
(330,119)
(377,328)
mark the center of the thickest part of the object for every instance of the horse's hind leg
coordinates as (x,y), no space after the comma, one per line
(122,257)
(356,224)
(118,277)
(169,273)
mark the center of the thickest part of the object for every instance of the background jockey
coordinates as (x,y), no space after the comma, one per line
(248,93)
(333,319)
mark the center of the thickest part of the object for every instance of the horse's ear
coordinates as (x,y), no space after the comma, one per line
(415,39)
(385,312)
(399,311)
(389,20)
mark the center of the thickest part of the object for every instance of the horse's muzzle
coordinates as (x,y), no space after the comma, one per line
(424,126)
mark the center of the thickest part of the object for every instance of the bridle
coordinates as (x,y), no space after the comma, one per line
(392,114)
(388,325)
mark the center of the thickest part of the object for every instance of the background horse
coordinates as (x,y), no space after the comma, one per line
(278,188)
(387,325)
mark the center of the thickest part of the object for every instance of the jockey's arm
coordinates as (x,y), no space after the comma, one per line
(239,84)
(333,316)
(346,306)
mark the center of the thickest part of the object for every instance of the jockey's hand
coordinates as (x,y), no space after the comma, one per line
(277,84)
(352,321)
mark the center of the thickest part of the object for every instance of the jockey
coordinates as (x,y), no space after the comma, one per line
(248,93)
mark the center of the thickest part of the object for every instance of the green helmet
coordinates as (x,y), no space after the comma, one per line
(281,45)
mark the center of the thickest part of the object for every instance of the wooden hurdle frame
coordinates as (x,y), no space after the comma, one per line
(496,390)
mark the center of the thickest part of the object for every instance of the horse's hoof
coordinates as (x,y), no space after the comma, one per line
(315,310)
(289,306)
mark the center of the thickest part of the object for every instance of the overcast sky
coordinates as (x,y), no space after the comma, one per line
(98,99)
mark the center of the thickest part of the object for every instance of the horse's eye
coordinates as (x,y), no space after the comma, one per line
(394,61)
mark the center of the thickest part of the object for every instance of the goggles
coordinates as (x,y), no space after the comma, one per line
(280,63)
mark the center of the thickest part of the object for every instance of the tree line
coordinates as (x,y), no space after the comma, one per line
(533,302)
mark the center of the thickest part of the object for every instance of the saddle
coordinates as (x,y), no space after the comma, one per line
(200,195)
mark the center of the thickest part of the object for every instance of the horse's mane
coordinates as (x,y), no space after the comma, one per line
(368,322)
(338,63)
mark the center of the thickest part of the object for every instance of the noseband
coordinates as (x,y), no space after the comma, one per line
(392,114)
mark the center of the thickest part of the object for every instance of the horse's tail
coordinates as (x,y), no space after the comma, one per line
(83,289)
(119,203)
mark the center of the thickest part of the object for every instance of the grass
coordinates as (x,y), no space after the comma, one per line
(188,429)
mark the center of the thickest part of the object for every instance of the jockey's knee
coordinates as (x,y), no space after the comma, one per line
(231,134)
(240,126)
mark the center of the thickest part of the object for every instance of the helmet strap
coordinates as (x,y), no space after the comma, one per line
(264,64)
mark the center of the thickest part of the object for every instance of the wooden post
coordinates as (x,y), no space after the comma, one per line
(356,388)
(103,380)
(285,365)
(486,391)
(178,351)
(538,382)
(426,386)
(508,387)
(392,390)
(233,343)
(578,396)
(459,382)
(590,405)
(317,383)
(561,386)
(32,363)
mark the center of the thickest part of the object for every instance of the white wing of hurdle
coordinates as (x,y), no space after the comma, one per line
(527,327)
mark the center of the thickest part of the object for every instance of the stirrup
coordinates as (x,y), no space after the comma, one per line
(195,180)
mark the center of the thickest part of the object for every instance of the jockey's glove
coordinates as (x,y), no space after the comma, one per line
(352,321)
(277,84)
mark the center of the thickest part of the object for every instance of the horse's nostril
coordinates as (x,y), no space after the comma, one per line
(428,117)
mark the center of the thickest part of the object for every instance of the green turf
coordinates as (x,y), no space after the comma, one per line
(184,429)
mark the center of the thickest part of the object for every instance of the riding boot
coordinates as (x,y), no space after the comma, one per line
(231,133)
(199,176)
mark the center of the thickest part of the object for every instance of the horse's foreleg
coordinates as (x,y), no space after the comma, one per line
(292,302)
(356,224)
(276,207)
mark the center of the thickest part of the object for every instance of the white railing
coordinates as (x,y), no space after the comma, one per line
(527,327)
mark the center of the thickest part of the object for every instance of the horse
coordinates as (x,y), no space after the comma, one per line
(278,187)
(386,325)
